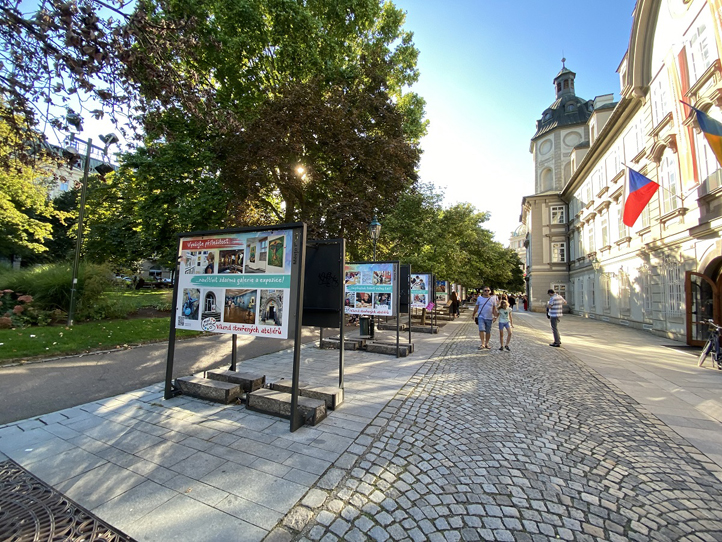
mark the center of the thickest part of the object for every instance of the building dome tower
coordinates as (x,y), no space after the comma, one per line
(564,81)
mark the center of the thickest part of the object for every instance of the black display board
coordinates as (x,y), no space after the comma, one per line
(323,290)
(404,287)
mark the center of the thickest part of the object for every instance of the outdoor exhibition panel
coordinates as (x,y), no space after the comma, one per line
(442,291)
(244,281)
(238,282)
(371,289)
(420,290)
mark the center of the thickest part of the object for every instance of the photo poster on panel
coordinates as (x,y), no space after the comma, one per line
(371,288)
(420,290)
(442,291)
(222,289)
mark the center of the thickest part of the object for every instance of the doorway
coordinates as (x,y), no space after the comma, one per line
(703,301)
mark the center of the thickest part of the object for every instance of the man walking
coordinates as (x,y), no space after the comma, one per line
(554,313)
(486,310)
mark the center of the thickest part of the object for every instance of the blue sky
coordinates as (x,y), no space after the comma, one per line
(486,74)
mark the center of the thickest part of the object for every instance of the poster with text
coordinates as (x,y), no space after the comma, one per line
(236,283)
(442,291)
(370,288)
(420,290)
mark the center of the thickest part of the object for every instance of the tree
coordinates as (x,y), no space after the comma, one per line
(450,242)
(25,211)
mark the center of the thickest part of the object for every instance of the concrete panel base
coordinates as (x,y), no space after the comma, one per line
(328,394)
(279,404)
(210,390)
(248,382)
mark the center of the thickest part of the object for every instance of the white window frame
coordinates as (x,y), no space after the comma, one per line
(557,214)
(660,98)
(700,54)
(606,290)
(559,252)
(668,181)
(674,289)
(604,226)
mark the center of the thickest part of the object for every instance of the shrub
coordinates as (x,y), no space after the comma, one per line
(49,286)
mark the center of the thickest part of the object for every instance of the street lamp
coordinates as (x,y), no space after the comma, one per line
(375,231)
(102,169)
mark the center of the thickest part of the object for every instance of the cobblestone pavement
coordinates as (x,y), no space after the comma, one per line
(520,445)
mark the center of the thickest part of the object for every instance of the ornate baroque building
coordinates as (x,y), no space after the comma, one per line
(663,274)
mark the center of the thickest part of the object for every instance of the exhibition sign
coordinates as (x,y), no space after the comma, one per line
(238,282)
(442,291)
(371,288)
(420,290)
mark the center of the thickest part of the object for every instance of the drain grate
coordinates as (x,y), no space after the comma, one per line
(32,511)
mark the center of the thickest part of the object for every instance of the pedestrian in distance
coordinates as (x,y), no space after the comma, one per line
(525,301)
(555,307)
(506,321)
(484,314)
(454,307)
(512,302)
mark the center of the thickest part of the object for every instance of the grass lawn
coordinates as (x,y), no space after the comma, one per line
(34,342)
(130,300)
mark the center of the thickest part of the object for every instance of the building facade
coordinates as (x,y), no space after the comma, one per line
(664,273)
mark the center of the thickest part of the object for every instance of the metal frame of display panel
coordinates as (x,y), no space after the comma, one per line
(295,306)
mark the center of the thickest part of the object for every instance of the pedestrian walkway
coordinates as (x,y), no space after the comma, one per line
(447,444)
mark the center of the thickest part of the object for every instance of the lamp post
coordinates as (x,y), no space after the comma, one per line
(375,231)
(102,168)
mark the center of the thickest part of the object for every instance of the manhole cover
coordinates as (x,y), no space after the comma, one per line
(31,511)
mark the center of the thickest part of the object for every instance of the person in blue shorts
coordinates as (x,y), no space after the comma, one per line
(485,309)
(505,322)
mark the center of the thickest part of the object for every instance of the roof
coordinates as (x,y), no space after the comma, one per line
(556,115)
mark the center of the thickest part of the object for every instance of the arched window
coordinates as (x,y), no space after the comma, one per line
(547,180)
(566,83)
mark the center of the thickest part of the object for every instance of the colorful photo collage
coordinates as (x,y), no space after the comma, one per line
(236,283)
(210,306)
(420,290)
(370,289)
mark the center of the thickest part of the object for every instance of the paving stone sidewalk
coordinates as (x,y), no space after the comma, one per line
(521,445)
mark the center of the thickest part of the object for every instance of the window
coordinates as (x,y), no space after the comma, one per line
(710,174)
(647,291)
(624,291)
(605,230)
(597,183)
(590,293)
(606,290)
(590,238)
(632,142)
(699,52)
(558,214)
(571,107)
(579,294)
(559,252)
(674,288)
(660,102)
(621,226)
(668,181)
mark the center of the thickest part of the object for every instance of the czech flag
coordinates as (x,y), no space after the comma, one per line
(712,131)
(641,190)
